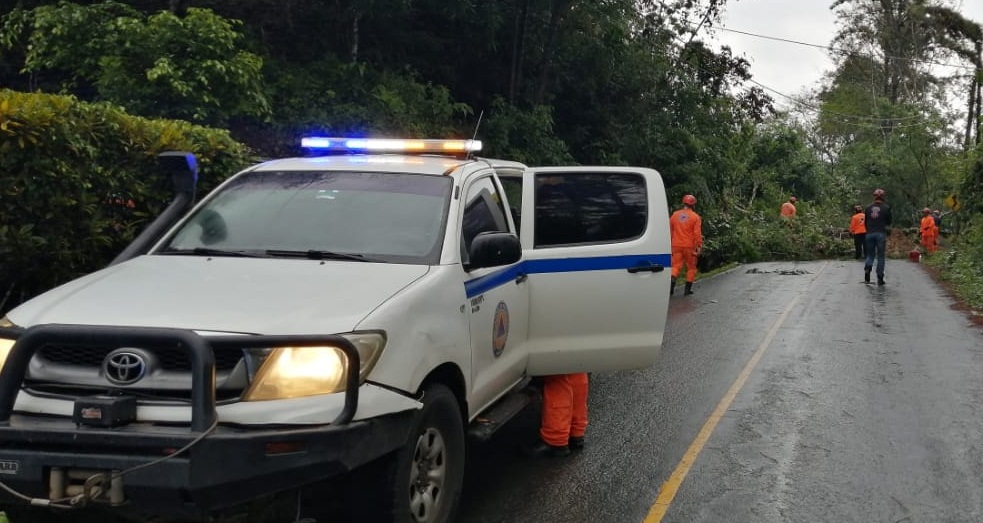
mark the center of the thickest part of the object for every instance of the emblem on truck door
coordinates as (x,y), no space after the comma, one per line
(500,330)
(123,367)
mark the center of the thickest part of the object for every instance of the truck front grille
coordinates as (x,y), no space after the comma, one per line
(170,360)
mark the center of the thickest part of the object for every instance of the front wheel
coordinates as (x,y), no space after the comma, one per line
(422,481)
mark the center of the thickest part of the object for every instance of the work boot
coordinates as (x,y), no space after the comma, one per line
(576,443)
(541,449)
(689,288)
(880,279)
(672,285)
(866,275)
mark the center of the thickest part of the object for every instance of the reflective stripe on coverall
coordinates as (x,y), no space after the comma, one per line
(686,230)
(564,408)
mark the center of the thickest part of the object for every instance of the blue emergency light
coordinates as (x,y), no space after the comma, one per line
(389,145)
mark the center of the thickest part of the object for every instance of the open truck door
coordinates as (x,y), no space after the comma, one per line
(597,255)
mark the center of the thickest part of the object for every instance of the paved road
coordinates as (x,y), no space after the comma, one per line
(819,398)
(786,392)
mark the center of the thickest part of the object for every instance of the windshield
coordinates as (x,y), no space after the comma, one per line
(390,217)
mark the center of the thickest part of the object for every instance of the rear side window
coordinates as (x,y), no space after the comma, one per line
(589,208)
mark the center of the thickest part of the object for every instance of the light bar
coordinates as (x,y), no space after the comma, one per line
(356,145)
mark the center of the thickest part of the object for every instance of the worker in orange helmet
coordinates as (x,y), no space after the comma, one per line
(858,230)
(929,231)
(686,231)
(788,208)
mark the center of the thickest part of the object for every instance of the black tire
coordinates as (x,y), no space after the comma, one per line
(421,482)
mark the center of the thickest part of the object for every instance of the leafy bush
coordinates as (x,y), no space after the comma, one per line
(78,181)
(961,264)
(193,67)
(761,235)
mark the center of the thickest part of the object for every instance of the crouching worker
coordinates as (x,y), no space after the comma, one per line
(564,417)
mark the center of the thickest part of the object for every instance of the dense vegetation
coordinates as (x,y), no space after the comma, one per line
(78,181)
(540,81)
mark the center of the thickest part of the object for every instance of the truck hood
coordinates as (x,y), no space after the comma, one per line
(248,295)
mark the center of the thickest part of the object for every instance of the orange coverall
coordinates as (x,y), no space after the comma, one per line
(788,210)
(564,408)
(686,230)
(930,234)
(857,224)
(858,229)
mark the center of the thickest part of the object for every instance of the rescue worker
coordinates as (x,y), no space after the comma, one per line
(563,421)
(877,219)
(929,231)
(788,208)
(858,231)
(686,231)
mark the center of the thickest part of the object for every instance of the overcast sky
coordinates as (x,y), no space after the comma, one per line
(789,68)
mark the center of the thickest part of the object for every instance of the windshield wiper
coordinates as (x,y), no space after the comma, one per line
(313,254)
(205,251)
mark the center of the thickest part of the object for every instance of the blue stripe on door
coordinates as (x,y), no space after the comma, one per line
(485,283)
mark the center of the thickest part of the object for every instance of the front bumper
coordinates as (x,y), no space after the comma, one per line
(51,457)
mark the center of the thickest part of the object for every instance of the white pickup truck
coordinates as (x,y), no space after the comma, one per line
(365,308)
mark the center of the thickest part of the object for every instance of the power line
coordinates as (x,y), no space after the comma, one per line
(841,51)
(865,120)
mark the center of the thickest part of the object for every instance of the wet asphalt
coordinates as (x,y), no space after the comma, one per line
(864,406)
(835,401)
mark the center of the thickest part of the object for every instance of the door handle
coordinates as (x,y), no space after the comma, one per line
(650,267)
(521,278)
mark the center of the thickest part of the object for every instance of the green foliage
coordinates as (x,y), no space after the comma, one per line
(524,136)
(961,261)
(192,68)
(884,114)
(961,265)
(762,235)
(355,99)
(67,171)
(67,38)
(615,83)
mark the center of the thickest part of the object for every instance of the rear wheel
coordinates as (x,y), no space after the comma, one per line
(422,481)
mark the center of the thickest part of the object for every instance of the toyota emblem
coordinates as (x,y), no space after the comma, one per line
(124,367)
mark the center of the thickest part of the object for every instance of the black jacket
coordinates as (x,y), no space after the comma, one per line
(877,217)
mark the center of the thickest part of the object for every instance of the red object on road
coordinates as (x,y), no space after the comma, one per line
(915,255)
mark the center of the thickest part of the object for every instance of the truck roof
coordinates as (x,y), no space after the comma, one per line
(417,156)
(417,164)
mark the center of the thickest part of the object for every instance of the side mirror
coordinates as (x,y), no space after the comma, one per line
(490,249)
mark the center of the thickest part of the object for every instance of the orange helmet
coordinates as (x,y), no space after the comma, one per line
(878,193)
(689,199)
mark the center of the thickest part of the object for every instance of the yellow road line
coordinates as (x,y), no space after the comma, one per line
(669,489)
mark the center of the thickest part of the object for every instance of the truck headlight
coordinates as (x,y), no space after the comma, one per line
(293,372)
(5,344)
